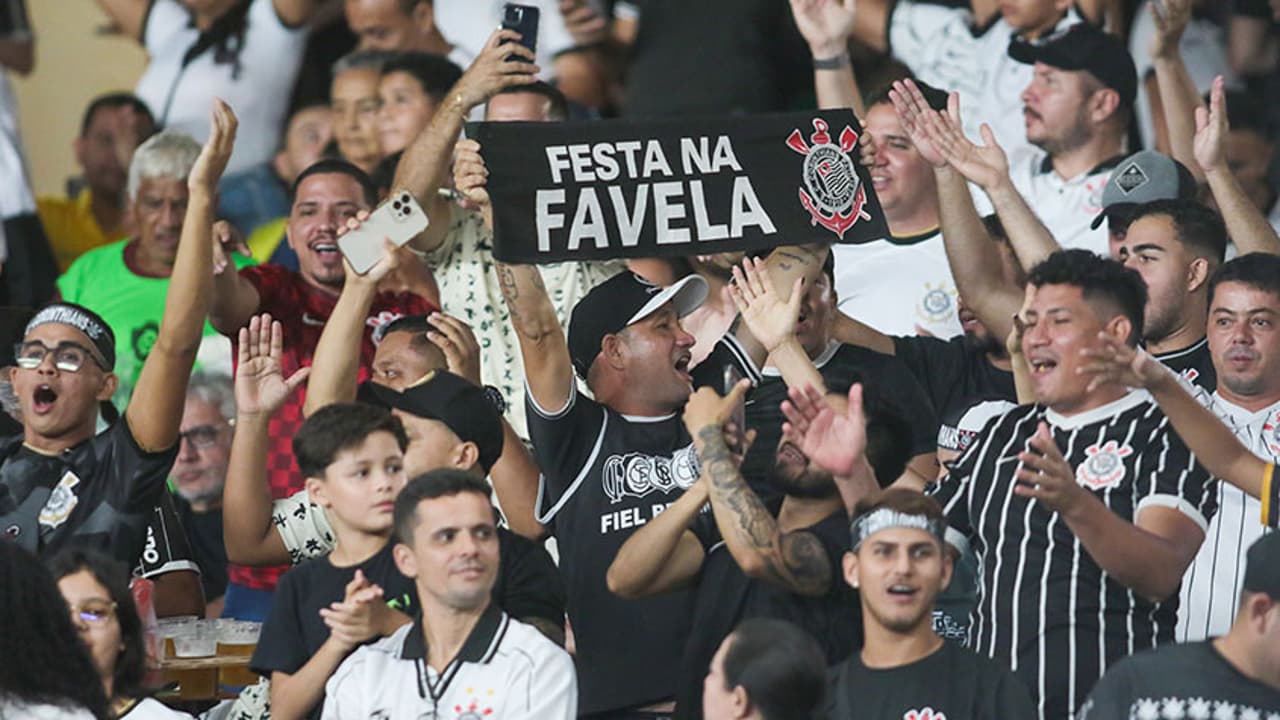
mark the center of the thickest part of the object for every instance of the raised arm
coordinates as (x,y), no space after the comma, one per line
(1178,95)
(1148,555)
(852,332)
(548,369)
(156,409)
(771,319)
(127,15)
(832,433)
(424,168)
(795,561)
(826,25)
(664,555)
(336,364)
(1214,444)
(235,299)
(261,388)
(971,252)
(871,23)
(1246,225)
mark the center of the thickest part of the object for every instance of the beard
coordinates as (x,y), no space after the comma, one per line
(985,343)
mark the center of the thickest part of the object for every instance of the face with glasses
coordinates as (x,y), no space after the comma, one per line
(94,615)
(201,467)
(59,382)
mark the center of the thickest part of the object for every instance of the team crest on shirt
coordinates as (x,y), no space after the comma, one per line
(937,305)
(1271,432)
(477,709)
(61,501)
(1103,467)
(832,193)
(925,714)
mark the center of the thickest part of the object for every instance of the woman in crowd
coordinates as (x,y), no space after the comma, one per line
(96,587)
(42,675)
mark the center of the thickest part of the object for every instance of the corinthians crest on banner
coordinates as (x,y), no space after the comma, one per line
(617,189)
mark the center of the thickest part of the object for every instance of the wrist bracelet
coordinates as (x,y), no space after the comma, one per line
(831,63)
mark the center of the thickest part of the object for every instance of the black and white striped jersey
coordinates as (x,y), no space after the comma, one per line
(1044,605)
(1211,588)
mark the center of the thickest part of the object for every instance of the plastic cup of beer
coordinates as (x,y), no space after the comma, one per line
(238,637)
(171,627)
(200,640)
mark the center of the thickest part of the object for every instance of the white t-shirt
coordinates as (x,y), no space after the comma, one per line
(898,284)
(259,93)
(941,47)
(18,710)
(1210,592)
(1066,207)
(1204,52)
(149,709)
(469,23)
(505,669)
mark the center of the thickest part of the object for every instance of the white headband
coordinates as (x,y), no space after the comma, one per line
(884,518)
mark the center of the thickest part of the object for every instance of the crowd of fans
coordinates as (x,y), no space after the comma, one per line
(1014,460)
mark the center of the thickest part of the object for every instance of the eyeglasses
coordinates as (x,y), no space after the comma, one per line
(67,356)
(202,437)
(94,612)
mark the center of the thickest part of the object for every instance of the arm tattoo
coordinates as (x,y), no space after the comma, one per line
(796,561)
(522,319)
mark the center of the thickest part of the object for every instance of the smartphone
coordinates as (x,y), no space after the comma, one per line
(524,20)
(398,218)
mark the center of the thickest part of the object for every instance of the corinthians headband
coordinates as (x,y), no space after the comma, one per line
(82,319)
(884,518)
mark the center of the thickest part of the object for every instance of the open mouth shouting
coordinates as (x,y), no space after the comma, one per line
(903,593)
(1042,365)
(682,367)
(43,399)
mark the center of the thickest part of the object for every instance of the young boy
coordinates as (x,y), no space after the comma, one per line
(352,456)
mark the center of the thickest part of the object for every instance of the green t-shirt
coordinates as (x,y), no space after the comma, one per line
(131,304)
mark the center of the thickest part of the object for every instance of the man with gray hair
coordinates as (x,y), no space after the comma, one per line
(125,282)
(200,471)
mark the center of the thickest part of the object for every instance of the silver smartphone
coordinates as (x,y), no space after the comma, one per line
(399,218)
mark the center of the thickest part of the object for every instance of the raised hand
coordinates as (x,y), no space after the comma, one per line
(587,26)
(261,387)
(1116,362)
(913,111)
(471,178)
(458,342)
(1171,18)
(833,438)
(770,318)
(1211,130)
(706,408)
(825,24)
(216,152)
(1046,476)
(358,617)
(226,240)
(985,165)
(502,63)
(387,264)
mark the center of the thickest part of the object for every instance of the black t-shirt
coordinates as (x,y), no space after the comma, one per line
(726,596)
(954,682)
(953,375)
(886,380)
(528,584)
(204,532)
(294,629)
(100,493)
(1195,363)
(1194,678)
(761,62)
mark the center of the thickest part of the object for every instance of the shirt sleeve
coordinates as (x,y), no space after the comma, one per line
(914,28)
(897,389)
(280,645)
(145,472)
(167,548)
(930,362)
(460,222)
(728,352)
(1170,476)
(551,689)
(565,444)
(1111,697)
(951,492)
(163,18)
(303,526)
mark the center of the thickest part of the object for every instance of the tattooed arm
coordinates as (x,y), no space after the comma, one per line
(796,561)
(547,367)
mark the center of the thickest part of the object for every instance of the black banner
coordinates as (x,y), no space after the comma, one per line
(690,186)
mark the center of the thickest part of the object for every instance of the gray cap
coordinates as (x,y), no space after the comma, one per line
(1140,178)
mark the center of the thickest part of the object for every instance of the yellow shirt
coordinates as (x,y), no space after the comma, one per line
(71,228)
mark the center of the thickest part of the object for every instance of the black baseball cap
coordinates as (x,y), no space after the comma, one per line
(1084,47)
(461,406)
(1143,177)
(621,300)
(1262,566)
